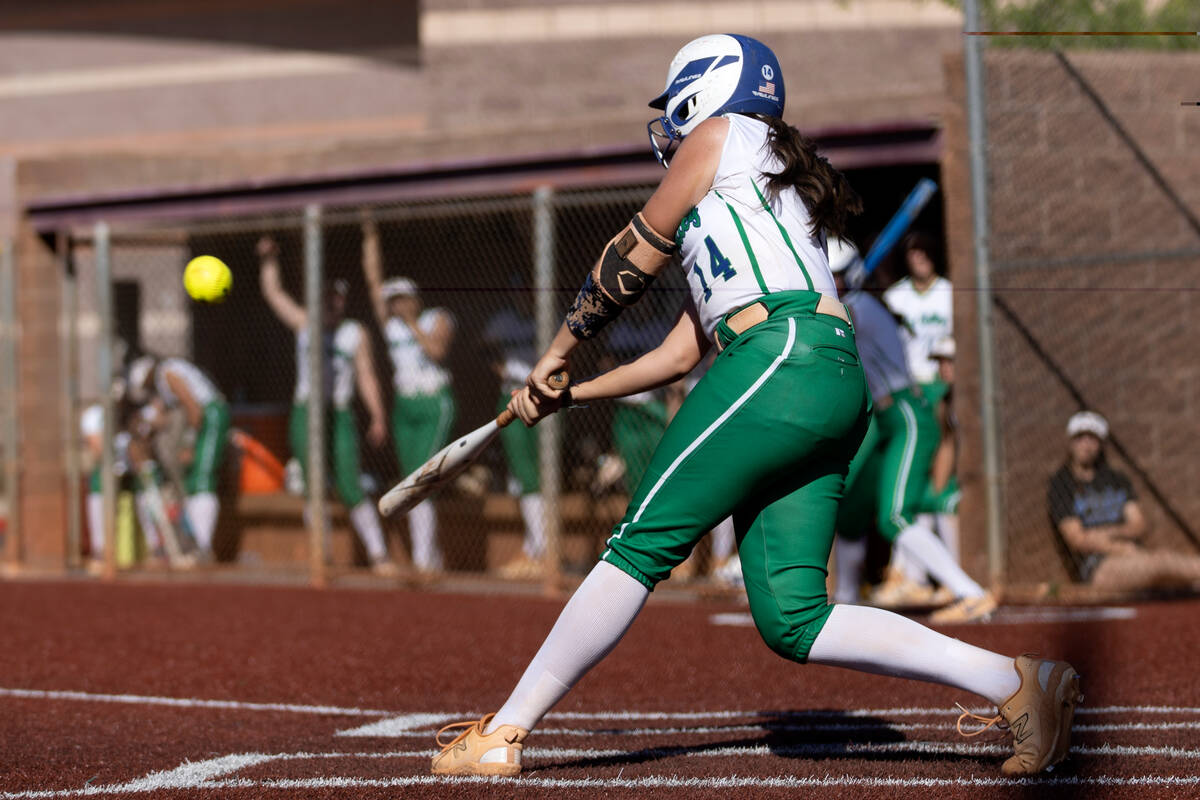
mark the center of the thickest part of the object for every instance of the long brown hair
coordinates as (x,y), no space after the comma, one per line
(826,193)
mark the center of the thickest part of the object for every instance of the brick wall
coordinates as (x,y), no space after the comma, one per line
(1098,268)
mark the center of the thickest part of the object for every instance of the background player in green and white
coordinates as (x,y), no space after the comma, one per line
(889,475)
(925,301)
(348,365)
(174,383)
(418,341)
(767,434)
(509,335)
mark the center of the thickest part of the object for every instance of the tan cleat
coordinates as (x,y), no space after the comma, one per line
(474,752)
(1039,715)
(968,609)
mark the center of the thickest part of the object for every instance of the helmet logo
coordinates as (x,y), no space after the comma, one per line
(767,72)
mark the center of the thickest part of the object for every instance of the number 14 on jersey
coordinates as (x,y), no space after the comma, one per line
(720,267)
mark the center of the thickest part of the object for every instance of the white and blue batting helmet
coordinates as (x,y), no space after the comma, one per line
(721,73)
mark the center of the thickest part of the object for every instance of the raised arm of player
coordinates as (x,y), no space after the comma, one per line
(372,264)
(436,343)
(688,179)
(290,313)
(368,390)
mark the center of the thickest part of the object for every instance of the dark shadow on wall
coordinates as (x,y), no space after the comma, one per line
(386,31)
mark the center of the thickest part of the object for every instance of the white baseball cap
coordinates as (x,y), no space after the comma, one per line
(1087,422)
(842,255)
(398,287)
(942,348)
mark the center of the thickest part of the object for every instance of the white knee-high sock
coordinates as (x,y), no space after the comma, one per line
(95,520)
(948,529)
(145,518)
(880,642)
(723,540)
(594,620)
(365,520)
(422,527)
(851,554)
(202,510)
(923,546)
(533,510)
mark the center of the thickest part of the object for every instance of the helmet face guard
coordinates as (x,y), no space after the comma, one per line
(710,76)
(664,139)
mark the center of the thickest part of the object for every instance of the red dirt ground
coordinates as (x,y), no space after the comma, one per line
(728,717)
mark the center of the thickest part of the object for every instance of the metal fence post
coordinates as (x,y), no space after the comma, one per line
(69,337)
(317,509)
(8,376)
(977,137)
(104,376)
(550,430)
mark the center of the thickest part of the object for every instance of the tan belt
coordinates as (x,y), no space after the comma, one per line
(755,313)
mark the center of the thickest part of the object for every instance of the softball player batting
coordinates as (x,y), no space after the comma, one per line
(768,432)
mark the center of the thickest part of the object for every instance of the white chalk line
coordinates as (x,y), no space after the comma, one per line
(407,720)
(189,702)
(202,775)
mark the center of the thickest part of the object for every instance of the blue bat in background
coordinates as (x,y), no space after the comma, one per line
(900,222)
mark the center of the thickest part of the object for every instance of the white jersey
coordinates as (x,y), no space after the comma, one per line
(91,422)
(199,385)
(340,348)
(929,315)
(877,335)
(734,247)
(414,372)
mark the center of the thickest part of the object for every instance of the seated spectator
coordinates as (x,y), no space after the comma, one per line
(1095,510)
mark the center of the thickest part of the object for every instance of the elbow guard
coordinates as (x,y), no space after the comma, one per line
(626,268)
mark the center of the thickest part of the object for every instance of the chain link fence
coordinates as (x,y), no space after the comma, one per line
(430,313)
(1095,261)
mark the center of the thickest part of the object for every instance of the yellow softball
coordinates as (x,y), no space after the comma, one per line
(207,279)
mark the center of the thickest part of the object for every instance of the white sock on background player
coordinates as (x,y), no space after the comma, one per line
(947,528)
(95,520)
(145,517)
(850,556)
(202,510)
(533,512)
(723,540)
(880,642)
(924,547)
(422,527)
(365,520)
(909,568)
(594,620)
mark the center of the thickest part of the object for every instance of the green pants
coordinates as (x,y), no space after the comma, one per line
(767,436)
(420,426)
(210,447)
(521,452)
(636,431)
(943,502)
(890,473)
(343,435)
